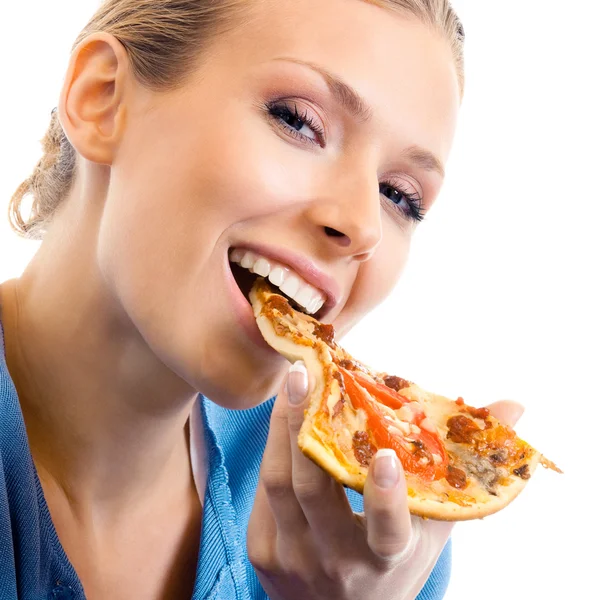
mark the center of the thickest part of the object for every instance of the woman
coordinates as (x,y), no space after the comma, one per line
(313,134)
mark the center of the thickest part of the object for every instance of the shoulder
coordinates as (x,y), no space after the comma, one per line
(7,390)
(10,411)
(15,458)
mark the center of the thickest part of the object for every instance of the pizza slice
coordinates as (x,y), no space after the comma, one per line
(460,462)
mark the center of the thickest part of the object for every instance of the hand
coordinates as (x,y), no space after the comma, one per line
(304,541)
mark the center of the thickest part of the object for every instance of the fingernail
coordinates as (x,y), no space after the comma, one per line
(385,471)
(518,410)
(297,383)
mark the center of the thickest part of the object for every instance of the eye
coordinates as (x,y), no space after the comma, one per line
(299,124)
(409,204)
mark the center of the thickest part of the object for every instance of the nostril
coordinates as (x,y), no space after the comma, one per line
(344,240)
(333,232)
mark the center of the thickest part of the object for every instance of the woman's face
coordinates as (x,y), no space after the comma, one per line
(314,136)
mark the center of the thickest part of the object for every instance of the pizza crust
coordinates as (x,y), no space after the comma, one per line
(296,342)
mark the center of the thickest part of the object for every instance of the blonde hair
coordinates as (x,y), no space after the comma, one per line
(163,39)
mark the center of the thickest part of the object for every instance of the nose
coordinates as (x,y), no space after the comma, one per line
(348,215)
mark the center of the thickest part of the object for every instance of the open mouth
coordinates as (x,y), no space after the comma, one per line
(247,267)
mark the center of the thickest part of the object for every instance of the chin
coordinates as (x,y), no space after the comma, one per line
(246,386)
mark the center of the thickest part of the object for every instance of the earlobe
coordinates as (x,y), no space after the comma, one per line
(92,108)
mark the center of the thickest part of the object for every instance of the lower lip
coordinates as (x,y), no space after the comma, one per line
(244,314)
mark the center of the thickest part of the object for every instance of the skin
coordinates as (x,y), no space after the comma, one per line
(111,330)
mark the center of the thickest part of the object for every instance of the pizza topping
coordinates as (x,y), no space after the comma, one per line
(478,413)
(338,377)
(523,472)
(399,428)
(479,467)
(325,333)
(349,364)
(363,449)
(416,407)
(396,383)
(380,392)
(406,414)
(499,457)
(446,447)
(461,429)
(428,425)
(409,451)
(279,303)
(493,450)
(421,452)
(456,477)
(337,409)
(460,498)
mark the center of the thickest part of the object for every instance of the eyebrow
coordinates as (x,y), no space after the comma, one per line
(346,95)
(351,100)
(425,159)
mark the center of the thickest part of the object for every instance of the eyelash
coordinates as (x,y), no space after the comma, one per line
(415,210)
(280,111)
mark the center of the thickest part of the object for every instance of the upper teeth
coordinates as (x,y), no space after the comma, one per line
(289,282)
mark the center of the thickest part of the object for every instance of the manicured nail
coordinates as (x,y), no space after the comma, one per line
(385,471)
(517,412)
(297,383)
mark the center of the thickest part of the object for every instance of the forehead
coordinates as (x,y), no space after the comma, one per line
(403,69)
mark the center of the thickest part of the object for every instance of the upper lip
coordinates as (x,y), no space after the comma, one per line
(303,266)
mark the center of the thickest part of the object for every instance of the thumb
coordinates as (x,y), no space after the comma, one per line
(507,412)
(389,528)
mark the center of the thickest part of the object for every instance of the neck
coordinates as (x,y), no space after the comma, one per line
(106,419)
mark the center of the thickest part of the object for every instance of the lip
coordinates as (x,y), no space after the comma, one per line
(304,267)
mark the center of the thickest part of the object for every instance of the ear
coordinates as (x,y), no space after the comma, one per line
(92,108)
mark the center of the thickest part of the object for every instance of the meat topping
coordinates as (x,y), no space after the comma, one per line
(420,451)
(279,303)
(396,383)
(523,472)
(456,477)
(363,449)
(461,429)
(479,413)
(499,457)
(324,332)
(479,467)
(352,365)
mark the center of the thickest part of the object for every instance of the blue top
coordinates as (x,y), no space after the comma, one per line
(34,566)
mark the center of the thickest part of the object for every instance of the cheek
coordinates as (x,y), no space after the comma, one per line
(377,277)
(205,173)
(176,188)
(241,170)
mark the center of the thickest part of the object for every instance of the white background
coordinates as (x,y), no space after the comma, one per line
(500,299)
